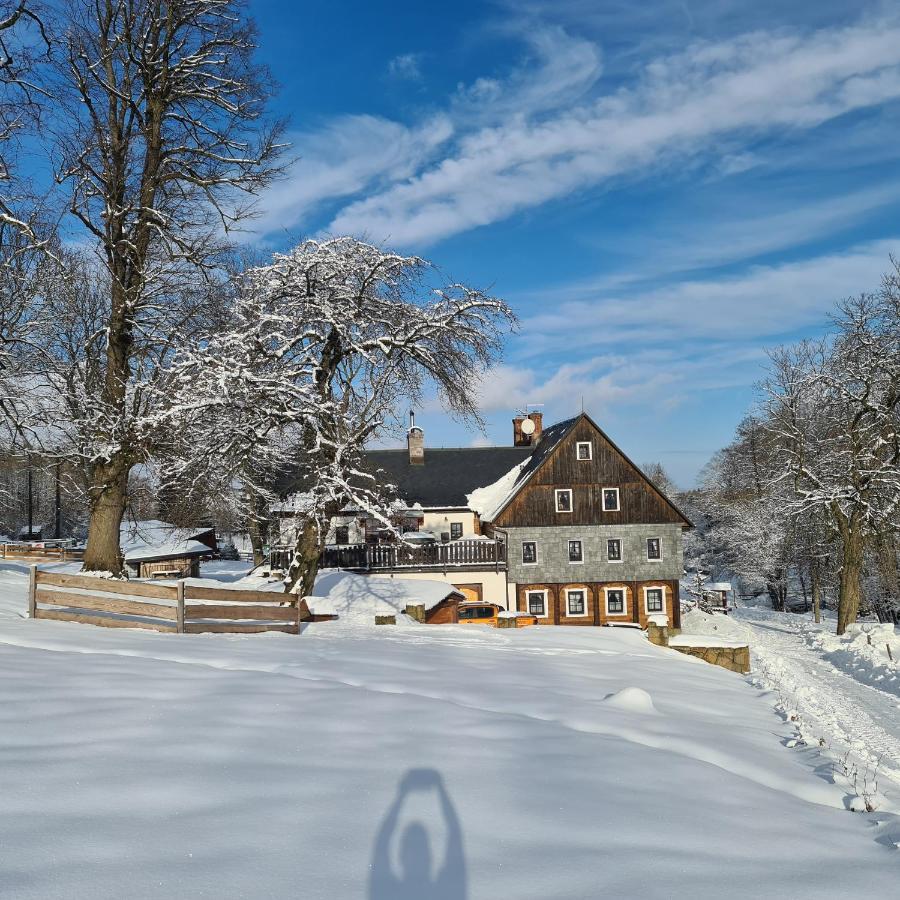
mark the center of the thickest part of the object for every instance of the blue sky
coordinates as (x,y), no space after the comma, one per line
(660,190)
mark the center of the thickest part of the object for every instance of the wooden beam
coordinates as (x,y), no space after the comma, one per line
(223,595)
(272,613)
(108,585)
(236,628)
(104,621)
(104,604)
(179,606)
(32,584)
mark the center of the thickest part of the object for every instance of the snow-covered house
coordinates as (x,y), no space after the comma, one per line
(155,549)
(560,524)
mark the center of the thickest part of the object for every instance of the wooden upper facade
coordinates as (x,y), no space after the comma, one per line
(581,459)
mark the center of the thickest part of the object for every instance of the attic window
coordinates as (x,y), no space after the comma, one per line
(583,450)
(563,500)
(610,499)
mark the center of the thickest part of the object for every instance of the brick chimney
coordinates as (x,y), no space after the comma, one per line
(520,438)
(415,442)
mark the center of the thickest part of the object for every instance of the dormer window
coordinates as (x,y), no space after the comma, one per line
(563,500)
(610,500)
(583,450)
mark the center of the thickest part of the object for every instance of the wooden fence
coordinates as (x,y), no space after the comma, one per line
(45,554)
(160,607)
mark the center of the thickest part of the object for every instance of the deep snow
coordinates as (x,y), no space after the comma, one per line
(534,763)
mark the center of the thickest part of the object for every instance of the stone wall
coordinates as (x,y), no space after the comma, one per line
(734,657)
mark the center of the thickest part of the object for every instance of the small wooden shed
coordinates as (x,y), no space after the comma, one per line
(155,549)
(716,593)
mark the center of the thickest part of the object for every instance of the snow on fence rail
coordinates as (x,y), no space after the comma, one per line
(130,604)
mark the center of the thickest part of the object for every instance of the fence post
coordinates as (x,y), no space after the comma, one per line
(32,591)
(4,549)
(179,611)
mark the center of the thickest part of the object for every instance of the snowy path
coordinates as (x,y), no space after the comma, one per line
(847,713)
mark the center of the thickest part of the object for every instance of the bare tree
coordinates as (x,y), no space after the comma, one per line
(834,414)
(330,343)
(160,138)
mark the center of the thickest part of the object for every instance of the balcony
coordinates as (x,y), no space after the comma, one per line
(458,555)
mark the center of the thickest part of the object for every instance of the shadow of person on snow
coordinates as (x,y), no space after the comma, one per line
(417,881)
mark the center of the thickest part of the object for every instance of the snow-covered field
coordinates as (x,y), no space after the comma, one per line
(430,761)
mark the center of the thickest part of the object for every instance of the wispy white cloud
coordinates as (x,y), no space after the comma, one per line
(349,155)
(711,235)
(760,304)
(406,67)
(680,106)
(653,351)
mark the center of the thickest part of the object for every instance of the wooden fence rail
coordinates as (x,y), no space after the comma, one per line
(45,554)
(124,604)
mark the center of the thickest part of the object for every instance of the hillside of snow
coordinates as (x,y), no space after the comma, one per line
(388,763)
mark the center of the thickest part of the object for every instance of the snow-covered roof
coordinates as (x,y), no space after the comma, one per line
(359,598)
(487,500)
(153,539)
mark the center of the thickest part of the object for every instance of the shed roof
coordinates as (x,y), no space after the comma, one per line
(153,539)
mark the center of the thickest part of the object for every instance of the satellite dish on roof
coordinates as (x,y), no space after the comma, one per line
(527,426)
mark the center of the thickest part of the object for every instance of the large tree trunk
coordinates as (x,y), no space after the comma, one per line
(109,493)
(257,541)
(851,574)
(258,527)
(301,576)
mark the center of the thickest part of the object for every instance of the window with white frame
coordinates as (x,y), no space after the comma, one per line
(610,499)
(537,603)
(614,550)
(529,553)
(655,599)
(575,602)
(576,551)
(654,549)
(615,601)
(583,450)
(563,500)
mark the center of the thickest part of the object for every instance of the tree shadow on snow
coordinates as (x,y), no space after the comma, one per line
(417,880)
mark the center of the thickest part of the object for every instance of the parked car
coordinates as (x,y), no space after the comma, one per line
(475,613)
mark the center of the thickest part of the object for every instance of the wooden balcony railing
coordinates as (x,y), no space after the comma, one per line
(387,557)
